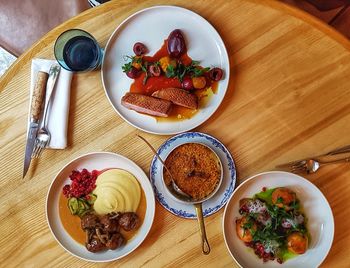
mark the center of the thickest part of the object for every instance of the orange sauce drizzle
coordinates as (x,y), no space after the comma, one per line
(156,83)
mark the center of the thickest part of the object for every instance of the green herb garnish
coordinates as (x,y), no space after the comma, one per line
(181,70)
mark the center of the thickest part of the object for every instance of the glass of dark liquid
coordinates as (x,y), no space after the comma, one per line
(78,51)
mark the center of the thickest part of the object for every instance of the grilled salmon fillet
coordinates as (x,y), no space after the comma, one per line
(146,104)
(178,96)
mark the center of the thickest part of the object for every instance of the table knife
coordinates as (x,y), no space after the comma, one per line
(35,114)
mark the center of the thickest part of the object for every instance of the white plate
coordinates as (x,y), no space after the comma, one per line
(221,196)
(316,208)
(98,161)
(152,26)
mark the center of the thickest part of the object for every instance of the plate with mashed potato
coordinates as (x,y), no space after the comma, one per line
(100,207)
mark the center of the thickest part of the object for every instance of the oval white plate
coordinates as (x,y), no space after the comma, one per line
(98,161)
(316,208)
(213,204)
(152,26)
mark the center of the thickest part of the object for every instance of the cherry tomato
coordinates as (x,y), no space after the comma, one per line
(216,74)
(139,49)
(187,83)
(133,73)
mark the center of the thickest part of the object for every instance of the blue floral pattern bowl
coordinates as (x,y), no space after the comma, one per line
(210,206)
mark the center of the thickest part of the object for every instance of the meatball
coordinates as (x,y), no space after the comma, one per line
(95,245)
(242,231)
(129,221)
(89,221)
(297,243)
(283,197)
(115,241)
(109,225)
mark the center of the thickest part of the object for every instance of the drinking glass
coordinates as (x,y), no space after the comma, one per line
(78,51)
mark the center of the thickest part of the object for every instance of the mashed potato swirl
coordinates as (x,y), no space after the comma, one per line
(117,191)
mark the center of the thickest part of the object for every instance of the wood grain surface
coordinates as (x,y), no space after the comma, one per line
(289,97)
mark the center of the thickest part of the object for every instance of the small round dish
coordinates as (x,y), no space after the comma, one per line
(206,197)
(98,161)
(317,210)
(218,200)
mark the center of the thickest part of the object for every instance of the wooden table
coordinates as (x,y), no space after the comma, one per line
(289,97)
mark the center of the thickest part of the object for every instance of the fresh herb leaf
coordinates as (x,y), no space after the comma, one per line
(200,71)
(131,60)
(170,71)
(295,205)
(279,200)
(136,59)
(248,225)
(127,67)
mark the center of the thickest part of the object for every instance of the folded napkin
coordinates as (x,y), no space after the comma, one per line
(59,108)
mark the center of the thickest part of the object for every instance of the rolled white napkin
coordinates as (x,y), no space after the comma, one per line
(59,108)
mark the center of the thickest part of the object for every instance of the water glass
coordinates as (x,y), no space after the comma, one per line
(78,51)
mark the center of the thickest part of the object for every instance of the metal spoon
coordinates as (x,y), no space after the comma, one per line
(311,165)
(174,189)
(198,207)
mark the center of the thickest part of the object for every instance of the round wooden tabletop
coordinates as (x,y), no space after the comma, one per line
(289,97)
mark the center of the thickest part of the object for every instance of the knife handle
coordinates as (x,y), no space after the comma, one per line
(38,95)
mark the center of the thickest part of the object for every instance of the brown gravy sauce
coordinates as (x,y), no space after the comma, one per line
(71,223)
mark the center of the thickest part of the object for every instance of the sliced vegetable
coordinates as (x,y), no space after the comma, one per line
(137,62)
(91,198)
(78,206)
(73,205)
(166,62)
(199,82)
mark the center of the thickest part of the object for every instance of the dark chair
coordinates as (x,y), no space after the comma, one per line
(325,5)
(24,22)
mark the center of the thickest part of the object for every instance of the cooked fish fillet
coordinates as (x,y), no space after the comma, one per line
(146,104)
(178,96)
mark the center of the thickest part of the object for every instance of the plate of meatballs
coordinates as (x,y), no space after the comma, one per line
(100,207)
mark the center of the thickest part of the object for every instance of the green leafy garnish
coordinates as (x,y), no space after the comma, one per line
(170,71)
(131,60)
(265,195)
(279,200)
(127,67)
(271,225)
(181,70)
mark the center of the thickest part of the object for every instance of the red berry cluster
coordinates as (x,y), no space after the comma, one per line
(259,250)
(83,183)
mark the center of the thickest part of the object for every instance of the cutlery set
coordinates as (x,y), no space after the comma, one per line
(312,164)
(38,139)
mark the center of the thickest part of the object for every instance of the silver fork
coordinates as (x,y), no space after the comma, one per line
(295,163)
(44,136)
(311,166)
